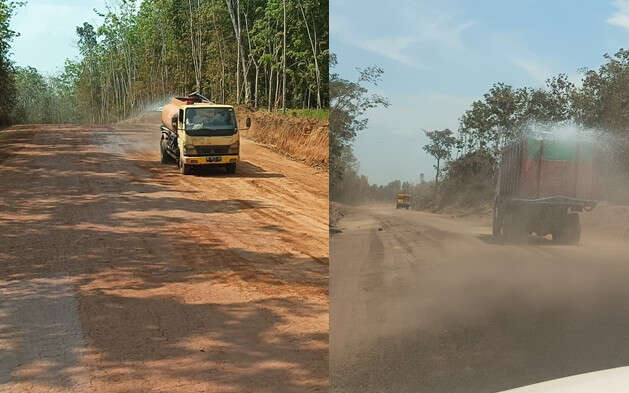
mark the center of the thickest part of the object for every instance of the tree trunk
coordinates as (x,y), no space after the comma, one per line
(270,88)
(437,175)
(195,47)
(284,63)
(313,47)
(219,39)
(235,19)
(255,93)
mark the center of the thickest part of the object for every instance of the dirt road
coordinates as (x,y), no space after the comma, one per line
(426,303)
(118,274)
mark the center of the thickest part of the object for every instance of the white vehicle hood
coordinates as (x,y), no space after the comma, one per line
(613,380)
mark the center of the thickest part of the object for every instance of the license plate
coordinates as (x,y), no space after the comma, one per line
(213,159)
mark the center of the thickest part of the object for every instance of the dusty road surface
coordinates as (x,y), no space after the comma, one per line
(118,274)
(427,303)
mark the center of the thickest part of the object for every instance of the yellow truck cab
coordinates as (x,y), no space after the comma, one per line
(403,201)
(198,132)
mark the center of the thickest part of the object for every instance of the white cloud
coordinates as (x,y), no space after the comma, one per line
(620,17)
(446,32)
(413,25)
(535,69)
(393,48)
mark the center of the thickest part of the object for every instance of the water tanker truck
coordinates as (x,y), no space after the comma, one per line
(544,182)
(196,132)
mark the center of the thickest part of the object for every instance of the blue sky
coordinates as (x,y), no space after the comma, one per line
(47,31)
(439,56)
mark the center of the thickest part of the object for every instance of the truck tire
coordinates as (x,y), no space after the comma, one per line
(514,229)
(570,230)
(185,169)
(165,158)
(496,223)
(231,168)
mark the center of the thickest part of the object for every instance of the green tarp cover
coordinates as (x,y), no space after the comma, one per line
(558,149)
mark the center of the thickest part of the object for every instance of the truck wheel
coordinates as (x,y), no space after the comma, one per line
(185,169)
(514,228)
(497,223)
(507,228)
(231,168)
(165,157)
(570,231)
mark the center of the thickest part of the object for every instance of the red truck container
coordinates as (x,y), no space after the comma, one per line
(544,182)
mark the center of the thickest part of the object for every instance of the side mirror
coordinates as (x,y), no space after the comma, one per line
(248,122)
(174,123)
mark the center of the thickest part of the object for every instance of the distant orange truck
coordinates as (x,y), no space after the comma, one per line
(403,201)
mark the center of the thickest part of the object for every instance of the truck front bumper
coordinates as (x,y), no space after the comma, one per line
(211,160)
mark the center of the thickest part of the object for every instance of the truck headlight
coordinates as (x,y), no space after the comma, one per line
(234,148)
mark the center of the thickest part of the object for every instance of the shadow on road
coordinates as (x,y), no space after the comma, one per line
(245,169)
(131,270)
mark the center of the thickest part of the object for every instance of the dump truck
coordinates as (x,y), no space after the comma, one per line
(197,132)
(403,201)
(544,182)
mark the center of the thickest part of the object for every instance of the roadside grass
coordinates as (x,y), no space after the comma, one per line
(319,114)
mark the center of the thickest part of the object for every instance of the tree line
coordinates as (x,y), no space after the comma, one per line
(349,101)
(466,159)
(264,53)
(269,54)
(7,68)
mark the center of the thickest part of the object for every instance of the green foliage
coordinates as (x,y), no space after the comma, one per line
(144,53)
(7,77)
(504,113)
(348,103)
(440,147)
(603,100)
(41,99)
(319,114)
(469,180)
(230,50)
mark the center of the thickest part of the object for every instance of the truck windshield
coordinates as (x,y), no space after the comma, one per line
(210,121)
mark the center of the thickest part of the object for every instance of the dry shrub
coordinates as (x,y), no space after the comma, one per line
(302,139)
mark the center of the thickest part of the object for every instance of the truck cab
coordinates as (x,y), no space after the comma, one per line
(200,133)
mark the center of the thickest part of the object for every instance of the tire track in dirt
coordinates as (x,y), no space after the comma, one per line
(206,283)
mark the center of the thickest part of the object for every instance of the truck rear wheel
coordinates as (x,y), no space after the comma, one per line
(514,228)
(570,230)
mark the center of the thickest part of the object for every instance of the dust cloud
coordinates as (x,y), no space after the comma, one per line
(433,303)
